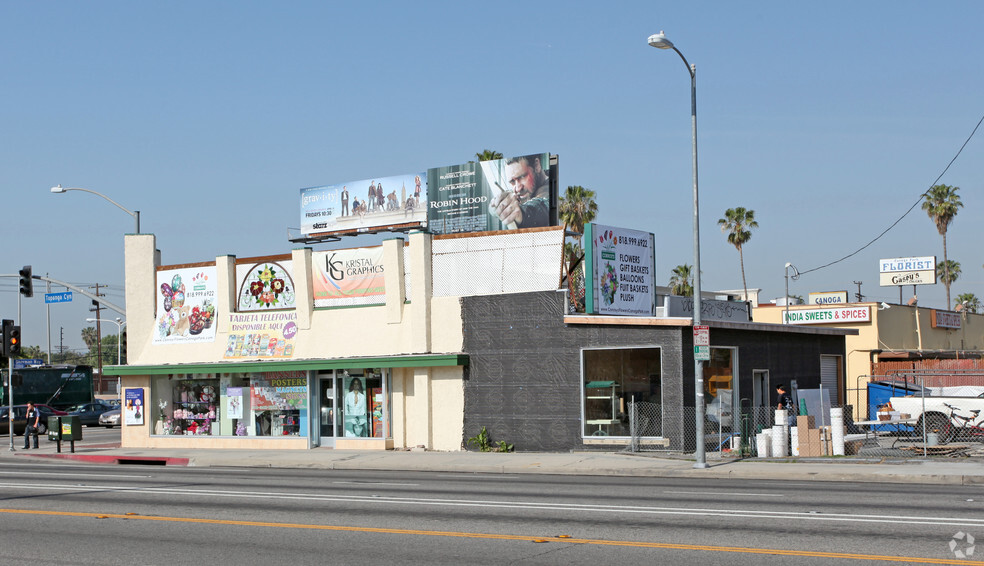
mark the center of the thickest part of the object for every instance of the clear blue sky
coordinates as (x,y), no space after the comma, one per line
(828,119)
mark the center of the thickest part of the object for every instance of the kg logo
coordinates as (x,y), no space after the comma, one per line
(962,545)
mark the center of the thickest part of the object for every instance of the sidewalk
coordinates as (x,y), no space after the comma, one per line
(950,472)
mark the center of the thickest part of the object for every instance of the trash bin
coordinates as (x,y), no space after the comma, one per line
(71,427)
(54,428)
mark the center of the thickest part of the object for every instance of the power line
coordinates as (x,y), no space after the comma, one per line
(921,197)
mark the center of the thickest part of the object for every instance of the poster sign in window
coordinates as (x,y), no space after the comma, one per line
(133,406)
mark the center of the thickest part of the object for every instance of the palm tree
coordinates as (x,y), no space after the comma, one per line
(89,337)
(948,271)
(970,302)
(680,283)
(576,208)
(942,202)
(488,155)
(737,224)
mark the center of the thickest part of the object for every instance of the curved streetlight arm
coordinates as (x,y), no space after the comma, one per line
(134,214)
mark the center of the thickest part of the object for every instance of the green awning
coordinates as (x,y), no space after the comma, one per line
(424,360)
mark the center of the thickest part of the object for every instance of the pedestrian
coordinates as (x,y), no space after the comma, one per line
(785,402)
(31,427)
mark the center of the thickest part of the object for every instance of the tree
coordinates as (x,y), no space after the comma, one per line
(576,208)
(680,283)
(488,155)
(89,336)
(737,224)
(948,271)
(941,205)
(970,302)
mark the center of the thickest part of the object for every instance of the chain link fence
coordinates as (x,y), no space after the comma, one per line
(953,428)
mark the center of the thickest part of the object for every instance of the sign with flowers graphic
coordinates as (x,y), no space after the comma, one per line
(621,264)
(266,285)
(185,305)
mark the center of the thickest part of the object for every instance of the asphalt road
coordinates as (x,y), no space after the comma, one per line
(58,513)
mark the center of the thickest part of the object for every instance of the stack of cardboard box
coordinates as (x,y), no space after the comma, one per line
(813,441)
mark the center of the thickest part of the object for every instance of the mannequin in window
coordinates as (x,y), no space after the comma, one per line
(355,409)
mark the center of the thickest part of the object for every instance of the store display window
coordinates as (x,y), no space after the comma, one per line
(233,404)
(612,379)
(365,410)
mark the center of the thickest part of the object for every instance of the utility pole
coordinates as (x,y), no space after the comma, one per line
(859,297)
(99,356)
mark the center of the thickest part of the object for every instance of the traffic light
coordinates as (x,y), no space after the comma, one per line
(26,282)
(8,330)
(14,342)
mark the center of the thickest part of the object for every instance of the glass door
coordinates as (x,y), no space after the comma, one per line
(326,418)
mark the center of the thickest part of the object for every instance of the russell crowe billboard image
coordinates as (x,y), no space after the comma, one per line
(500,194)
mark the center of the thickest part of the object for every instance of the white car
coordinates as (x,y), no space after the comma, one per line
(109,419)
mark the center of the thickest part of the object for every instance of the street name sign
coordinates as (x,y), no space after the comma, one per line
(65,297)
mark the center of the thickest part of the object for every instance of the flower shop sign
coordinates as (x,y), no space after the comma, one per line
(621,264)
(261,335)
(266,285)
(185,305)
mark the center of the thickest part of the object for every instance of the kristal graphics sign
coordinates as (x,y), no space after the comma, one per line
(621,264)
(846,315)
(907,271)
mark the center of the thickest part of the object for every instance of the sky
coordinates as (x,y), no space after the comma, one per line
(829,120)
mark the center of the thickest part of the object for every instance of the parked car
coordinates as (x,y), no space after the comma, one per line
(88,413)
(20,418)
(109,419)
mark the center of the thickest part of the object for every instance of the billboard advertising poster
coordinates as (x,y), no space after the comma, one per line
(234,402)
(278,391)
(349,277)
(845,315)
(266,285)
(907,271)
(365,204)
(133,406)
(622,267)
(261,335)
(185,305)
(500,194)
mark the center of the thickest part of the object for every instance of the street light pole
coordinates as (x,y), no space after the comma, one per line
(796,275)
(659,41)
(58,189)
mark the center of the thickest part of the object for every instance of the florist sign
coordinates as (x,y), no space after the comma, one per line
(265,286)
(827,316)
(185,305)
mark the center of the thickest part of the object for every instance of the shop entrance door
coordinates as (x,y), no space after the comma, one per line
(326,418)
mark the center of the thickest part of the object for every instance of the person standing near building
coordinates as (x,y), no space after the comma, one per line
(785,402)
(33,422)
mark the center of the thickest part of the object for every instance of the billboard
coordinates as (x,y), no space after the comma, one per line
(363,205)
(186,307)
(266,285)
(622,265)
(907,271)
(349,277)
(500,194)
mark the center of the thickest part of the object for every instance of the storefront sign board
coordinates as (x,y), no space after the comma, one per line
(261,335)
(264,286)
(349,277)
(621,264)
(846,315)
(185,305)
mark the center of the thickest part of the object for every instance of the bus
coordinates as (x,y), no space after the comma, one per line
(59,386)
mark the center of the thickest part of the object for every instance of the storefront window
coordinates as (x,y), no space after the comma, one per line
(364,408)
(614,378)
(239,404)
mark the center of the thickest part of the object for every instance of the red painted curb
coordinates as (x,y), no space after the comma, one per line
(114,459)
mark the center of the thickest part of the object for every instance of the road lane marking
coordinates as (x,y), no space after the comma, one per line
(73,474)
(728,493)
(492,536)
(525,505)
(372,483)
